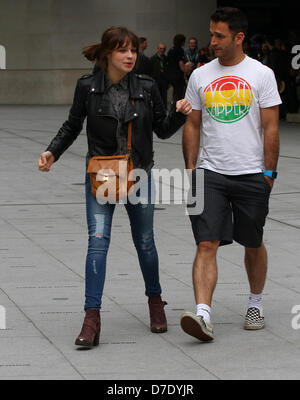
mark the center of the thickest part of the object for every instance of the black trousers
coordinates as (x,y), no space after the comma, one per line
(163,90)
(179,90)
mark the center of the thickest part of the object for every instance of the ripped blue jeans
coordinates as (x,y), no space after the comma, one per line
(99,219)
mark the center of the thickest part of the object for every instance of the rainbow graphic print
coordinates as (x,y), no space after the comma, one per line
(228,99)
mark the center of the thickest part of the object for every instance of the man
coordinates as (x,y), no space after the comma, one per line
(235,98)
(159,61)
(176,67)
(144,64)
(191,57)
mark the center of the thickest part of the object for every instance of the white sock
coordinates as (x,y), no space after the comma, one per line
(255,300)
(204,311)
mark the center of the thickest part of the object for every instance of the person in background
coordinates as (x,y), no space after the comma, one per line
(144,65)
(247,48)
(279,62)
(191,57)
(203,57)
(159,62)
(176,67)
(264,53)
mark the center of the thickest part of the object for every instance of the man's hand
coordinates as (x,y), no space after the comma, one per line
(45,161)
(184,107)
(270,181)
(188,68)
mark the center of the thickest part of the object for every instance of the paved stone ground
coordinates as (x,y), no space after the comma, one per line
(43,239)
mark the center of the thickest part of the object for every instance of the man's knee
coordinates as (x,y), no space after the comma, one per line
(254,250)
(208,247)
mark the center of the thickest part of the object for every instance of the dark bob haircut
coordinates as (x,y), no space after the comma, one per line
(113,38)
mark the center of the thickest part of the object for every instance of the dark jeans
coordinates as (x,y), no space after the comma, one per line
(99,219)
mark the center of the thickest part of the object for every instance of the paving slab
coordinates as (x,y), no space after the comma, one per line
(43,241)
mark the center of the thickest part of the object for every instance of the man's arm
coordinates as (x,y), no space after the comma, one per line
(182,65)
(191,139)
(269,120)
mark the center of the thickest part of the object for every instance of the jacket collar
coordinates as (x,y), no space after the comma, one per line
(98,83)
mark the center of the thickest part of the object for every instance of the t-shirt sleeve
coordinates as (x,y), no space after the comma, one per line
(269,95)
(193,93)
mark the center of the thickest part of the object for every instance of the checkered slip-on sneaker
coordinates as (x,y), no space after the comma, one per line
(254,319)
(196,327)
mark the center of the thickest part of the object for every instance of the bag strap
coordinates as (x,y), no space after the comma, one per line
(130,133)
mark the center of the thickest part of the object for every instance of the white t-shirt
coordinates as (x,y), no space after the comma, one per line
(230,98)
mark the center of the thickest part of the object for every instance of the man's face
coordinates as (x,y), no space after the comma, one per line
(193,44)
(264,48)
(161,49)
(144,45)
(223,42)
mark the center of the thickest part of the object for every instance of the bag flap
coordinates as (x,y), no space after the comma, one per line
(105,165)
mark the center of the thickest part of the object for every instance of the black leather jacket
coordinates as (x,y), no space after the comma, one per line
(147,113)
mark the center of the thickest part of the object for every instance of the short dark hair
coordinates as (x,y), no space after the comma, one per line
(236,19)
(142,39)
(179,40)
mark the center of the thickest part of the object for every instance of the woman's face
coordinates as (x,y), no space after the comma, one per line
(123,59)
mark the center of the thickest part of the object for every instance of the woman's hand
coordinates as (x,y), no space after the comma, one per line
(183,106)
(45,161)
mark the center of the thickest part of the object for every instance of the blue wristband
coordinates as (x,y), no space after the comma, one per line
(271,174)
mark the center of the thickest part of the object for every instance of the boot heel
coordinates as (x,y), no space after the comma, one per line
(96,340)
(91,324)
(158,320)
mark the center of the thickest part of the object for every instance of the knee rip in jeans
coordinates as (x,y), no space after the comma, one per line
(99,225)
(146,242)
(95,267)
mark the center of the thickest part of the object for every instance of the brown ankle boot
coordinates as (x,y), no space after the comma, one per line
(158,320)
(90,332)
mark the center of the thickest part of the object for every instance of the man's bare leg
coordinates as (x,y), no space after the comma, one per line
(256,267)
(205,273)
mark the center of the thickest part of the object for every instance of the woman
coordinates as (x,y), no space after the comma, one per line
(110,98)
